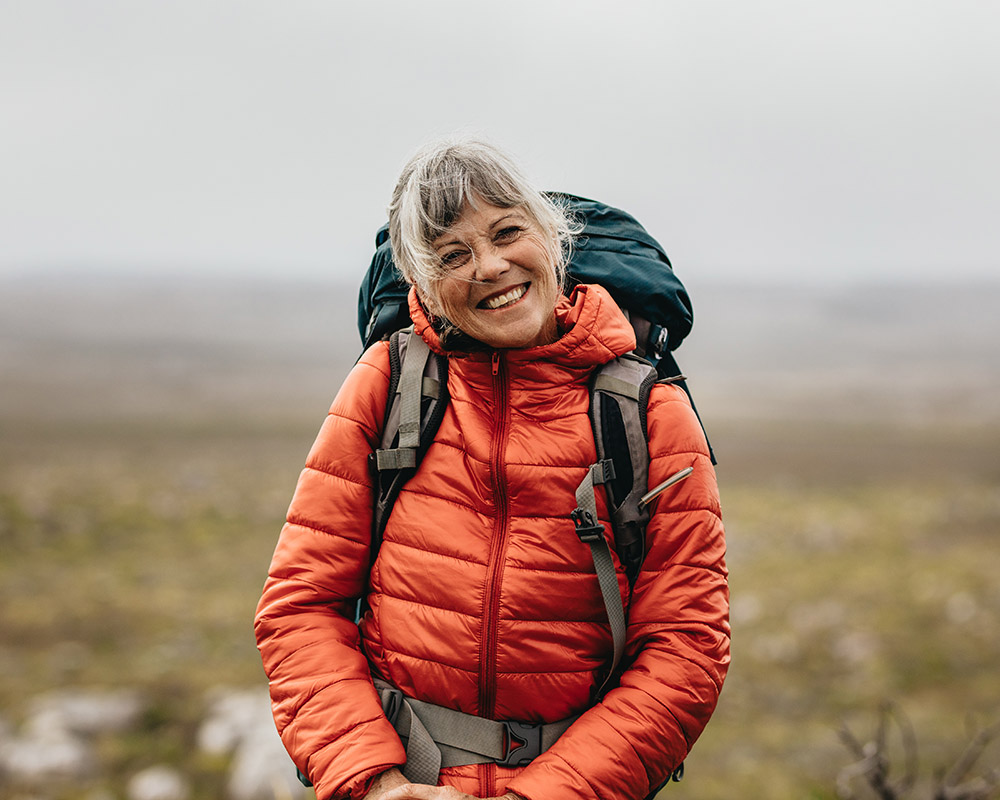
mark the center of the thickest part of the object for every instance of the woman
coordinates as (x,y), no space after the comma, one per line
(482,598)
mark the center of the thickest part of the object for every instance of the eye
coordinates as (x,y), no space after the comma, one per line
(454,258)
(508,234)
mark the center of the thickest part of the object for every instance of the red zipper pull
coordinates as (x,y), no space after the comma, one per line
(496,362)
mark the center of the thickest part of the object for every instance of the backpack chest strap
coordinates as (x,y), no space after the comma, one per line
(438,737)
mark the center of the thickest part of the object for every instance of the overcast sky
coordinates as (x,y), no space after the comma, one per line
(805,141)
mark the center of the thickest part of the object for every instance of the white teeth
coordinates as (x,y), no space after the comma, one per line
(506,298)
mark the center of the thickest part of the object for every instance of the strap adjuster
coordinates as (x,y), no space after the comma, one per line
(658,338)
(587,528)
(523,743)
(603,471)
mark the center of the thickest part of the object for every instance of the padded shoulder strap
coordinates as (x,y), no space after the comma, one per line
(402,426)
(418,396)
(618,400)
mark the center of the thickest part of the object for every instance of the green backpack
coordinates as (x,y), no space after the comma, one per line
(612,249)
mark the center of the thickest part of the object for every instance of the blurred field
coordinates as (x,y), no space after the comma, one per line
(151,435)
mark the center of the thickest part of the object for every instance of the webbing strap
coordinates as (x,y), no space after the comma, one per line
(410,386)
(439,737)
(592,532)
(608,383)
(398,458)
(423,759)
(431,388)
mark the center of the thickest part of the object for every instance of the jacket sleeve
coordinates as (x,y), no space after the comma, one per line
(677,647)
(325,707)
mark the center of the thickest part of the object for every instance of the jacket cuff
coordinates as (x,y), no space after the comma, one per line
(360,785)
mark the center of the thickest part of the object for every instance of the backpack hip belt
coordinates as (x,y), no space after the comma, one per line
(438,737)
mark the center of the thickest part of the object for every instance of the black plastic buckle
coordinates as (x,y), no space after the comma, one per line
(587,528)
(524,744)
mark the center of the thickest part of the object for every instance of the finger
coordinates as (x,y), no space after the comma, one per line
(404,792)
(414,791)
(420,791)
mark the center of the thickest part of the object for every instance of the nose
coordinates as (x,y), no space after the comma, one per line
(490,265)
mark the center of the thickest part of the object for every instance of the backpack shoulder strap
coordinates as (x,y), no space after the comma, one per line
(618,395)
(618,398)
(418,396)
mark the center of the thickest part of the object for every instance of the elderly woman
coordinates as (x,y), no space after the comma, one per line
(482,599)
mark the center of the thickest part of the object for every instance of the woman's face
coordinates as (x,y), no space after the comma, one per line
(500,286)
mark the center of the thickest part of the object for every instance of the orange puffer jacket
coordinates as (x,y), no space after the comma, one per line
(482,597)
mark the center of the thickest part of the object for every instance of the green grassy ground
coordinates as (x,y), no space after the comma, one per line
(863,569)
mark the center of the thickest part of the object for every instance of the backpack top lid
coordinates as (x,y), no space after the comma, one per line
(613,249)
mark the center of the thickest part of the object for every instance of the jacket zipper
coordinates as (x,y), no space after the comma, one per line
(498,541)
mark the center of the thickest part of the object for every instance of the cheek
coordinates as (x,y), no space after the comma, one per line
(446,299)
(543,255)
(546,278)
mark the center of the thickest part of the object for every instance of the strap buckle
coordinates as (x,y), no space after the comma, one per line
(658,338)
(587,528)
(523,743)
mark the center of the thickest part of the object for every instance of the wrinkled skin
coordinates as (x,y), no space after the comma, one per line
(391,785)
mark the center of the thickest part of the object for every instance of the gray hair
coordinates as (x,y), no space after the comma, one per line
(433,190)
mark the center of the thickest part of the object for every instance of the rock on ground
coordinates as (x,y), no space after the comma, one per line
(54,743)
(158,783)
(240,722)
(87,712)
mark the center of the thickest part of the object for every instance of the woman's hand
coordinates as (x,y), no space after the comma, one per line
(417,791)
(391,785)
(387,781)
(420,791)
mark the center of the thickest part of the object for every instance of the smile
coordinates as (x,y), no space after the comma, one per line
(505,299)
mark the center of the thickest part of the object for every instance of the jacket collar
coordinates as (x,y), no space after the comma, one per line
(593,331)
